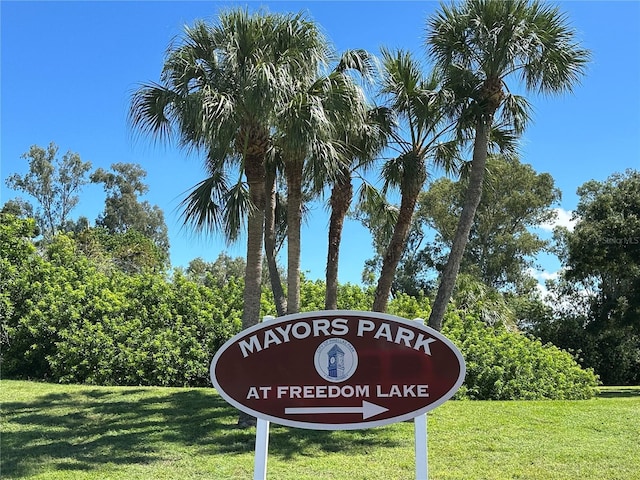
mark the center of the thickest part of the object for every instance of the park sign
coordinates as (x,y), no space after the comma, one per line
(337,370)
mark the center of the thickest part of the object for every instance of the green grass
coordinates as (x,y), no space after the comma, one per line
(79,432)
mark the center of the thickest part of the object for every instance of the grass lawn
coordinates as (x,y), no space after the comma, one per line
(80,432)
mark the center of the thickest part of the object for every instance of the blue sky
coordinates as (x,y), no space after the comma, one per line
(68,70)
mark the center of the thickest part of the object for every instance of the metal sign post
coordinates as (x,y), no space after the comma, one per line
(421,437)
(262,450)
(422,449)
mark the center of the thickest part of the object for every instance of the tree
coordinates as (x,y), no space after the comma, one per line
(364,140)
(361,133)
(501,247)
(18,207)
(221,88)
(16,253)
(307,137)
(217,273)
(593,308)
(417,104)
(477,47)
(313,144)
(123,211)
(602,256)
(130,251)
(275,230)
(54,183)
(604,248)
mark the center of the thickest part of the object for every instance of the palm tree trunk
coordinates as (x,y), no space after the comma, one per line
(294,220)
(409,196)
(254,171)
(341,196)
(471,202)
(270,242)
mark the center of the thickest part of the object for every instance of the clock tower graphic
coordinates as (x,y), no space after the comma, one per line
(336,362)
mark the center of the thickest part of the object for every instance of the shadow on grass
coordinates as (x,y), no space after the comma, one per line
(618,392)
(86,429)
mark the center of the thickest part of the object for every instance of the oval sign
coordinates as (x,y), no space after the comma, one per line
(337,370)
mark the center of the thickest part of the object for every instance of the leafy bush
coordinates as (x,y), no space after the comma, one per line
(144,330)
(66,319)
(505,365)
(73,323)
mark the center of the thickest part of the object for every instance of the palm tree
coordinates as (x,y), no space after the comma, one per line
(363,141)
(358,135)
(418,106)
(221,88)
(275,226)
(477,46)
(307,137)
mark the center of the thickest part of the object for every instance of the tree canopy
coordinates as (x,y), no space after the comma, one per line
(502,243)
(54,183)
(604,248)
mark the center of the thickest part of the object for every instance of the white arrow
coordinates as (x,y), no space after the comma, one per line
(367,410)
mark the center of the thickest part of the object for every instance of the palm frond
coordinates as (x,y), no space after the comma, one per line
(237,205)
(495,38)
(374,210)
(515,111)
(358,60)
(447,155)
(203,206)
(151,111)
(504,139)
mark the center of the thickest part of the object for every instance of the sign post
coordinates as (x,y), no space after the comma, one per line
(262,450)
(338,370)
(421,440)
(422,451)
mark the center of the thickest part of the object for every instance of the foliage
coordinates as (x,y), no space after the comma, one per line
(18,207)
(216,273)
(479,47)
(503,365)
(69,320)
(222,89)
(130,251)
(604,247)
(16,252)
(418,139)
(53,182)
(123,211)
(501,246)
(147,331)
(595,306)
(73,322)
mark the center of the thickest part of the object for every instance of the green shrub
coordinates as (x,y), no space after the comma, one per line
(504,364)
(144,330)
(72,322)
(66,319)
(507,365)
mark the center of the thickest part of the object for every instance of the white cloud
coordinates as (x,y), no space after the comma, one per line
(563,219)
(542,276)
(548,275)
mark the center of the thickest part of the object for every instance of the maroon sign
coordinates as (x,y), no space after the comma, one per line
(337,370)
